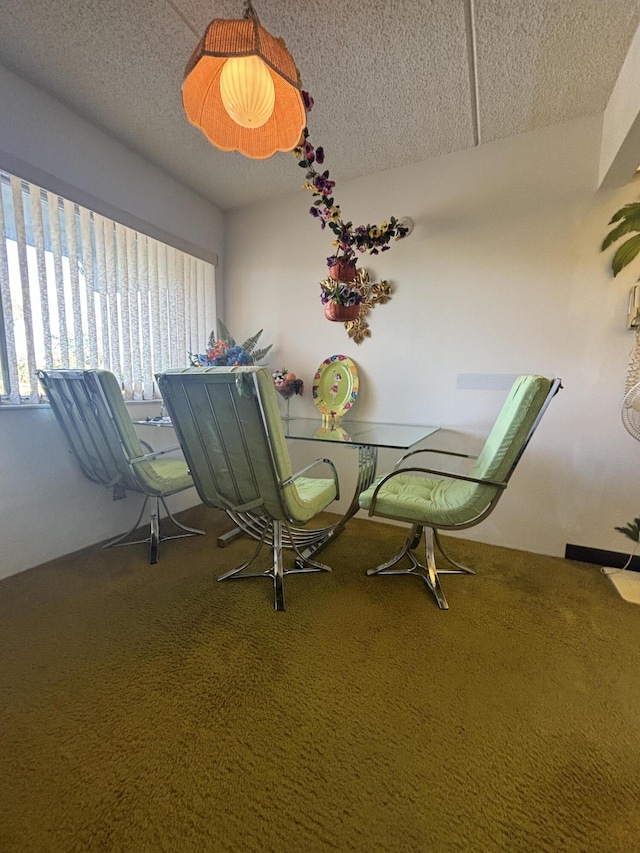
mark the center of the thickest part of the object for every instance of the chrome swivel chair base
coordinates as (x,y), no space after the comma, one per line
(429,573)
(154,538)
(272,535)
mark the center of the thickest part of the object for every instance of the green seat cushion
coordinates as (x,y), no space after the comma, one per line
(307,496)
(237,464)
(164,476)
(413,498)
(449,502)
(155,477)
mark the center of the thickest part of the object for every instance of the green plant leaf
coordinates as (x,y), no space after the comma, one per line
(259,354)
(625,254)
(631,529)
(250,343)
(225,335)
(631,209)
(627,225)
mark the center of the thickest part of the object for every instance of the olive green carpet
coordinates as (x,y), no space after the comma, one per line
(149,708)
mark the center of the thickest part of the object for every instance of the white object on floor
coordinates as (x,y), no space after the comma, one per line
(627,583)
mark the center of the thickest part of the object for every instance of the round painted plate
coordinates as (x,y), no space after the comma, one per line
(335,386)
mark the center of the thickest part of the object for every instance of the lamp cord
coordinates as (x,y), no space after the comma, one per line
(249,11)
(183,18)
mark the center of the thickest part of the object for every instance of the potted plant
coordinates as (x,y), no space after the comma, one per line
(628,219)
(626,581)
(341,300)
(632,531)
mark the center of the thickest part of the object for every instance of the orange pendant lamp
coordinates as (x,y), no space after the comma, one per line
(242,88)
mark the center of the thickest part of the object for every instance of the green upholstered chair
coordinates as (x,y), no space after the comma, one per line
(89,407)
(430,499)
(228,423)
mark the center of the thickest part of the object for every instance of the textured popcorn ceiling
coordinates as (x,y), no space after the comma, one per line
(391,79)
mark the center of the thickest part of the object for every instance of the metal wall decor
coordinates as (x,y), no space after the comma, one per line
(373,293)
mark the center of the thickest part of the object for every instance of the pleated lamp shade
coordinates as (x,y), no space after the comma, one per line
(242,89)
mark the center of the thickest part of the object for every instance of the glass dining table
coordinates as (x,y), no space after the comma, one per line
(367,437)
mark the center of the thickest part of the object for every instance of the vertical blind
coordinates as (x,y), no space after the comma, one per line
(80,290)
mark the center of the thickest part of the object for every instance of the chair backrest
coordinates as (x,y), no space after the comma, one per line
(90,409)
(229,426)
(518,419)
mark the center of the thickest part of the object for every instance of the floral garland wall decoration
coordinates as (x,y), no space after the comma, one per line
(367,296)
(346,295)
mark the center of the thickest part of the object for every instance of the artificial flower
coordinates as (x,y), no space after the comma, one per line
(222,350)
(349,240)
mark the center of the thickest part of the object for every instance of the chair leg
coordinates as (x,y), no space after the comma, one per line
(154,532)
(115,542)
(272,535)
(155,537)
(409,544)
(190,531)
(278,568)
(427,571)
(460,569)
(431,577)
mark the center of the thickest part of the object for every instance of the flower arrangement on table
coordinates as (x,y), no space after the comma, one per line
(371,239)
(287,383)
(222,350)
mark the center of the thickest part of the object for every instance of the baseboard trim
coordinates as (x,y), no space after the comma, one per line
(600,557)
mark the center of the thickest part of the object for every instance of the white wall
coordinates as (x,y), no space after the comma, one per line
(621,124)
(46,507)
(502,274)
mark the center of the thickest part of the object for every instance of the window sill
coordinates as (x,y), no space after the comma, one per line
(10,407)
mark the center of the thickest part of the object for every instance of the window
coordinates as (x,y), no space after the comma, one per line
(80,290)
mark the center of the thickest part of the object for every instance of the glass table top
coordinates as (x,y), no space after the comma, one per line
(397,436)
(356,433)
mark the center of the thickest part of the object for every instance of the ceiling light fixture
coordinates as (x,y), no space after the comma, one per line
(243,90)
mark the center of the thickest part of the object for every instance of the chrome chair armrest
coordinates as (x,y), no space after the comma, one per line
(319,461)
(449,474)
(154,453)
(433,450)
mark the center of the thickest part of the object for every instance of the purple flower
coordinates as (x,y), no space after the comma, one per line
(307,100)
(322,183)
(320,155)
(308,152)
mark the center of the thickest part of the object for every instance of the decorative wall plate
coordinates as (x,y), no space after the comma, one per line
(335,386)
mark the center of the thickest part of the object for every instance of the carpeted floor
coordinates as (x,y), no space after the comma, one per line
(149,708)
